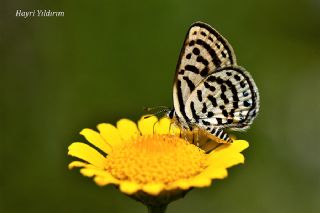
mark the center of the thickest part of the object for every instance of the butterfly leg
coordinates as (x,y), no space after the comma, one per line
(154,127)
(170,128)
(187,135)
(220,135)
(174,129)
(197,136)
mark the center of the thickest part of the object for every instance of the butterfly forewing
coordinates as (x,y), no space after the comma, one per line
(203,52)
(225,98)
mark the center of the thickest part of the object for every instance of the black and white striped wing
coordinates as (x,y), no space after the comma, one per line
(227,98)
(204,51)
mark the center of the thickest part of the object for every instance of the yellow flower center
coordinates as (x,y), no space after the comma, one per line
(155,159)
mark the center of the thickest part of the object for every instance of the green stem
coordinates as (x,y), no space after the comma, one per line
(157,209)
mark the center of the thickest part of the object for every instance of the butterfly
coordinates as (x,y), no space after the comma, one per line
(211,92)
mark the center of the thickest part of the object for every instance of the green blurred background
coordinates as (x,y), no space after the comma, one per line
(107,60)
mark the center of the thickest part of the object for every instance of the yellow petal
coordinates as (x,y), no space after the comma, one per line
(174,129)
(214,172)
(163,126)
(127,129)
(200,181)
(183,184)
(166,126)
(146,124)
(86,153)
(75,164)
(204,179)
(153,188)
(228,155)
(90,172)
(129,187)
(110,133)
(226,160)
(105,180)
(236,146)
(95,139)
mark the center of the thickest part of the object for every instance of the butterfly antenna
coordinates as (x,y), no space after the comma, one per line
(170,127)
(149,109)
(156,110)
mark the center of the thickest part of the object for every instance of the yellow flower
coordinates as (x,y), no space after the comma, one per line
(150,161)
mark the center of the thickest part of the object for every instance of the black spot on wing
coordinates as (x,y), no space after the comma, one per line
(229,83)
(196,51)
(181,72)
(246,103)
(189,83)
(223,88)
(232,112)
(210,114)
(211,78)
(243,84)
(208,86)
(216,61)
(204,107)
(194,114)
(235,105)
(206,123)
(225,113)
(229,121)
(219,81)
(204,72)
(219,120)
(233,90)
(237,77)
(180,100)
(213,100)
(224,98)
(202,60)
(199,95)
(191,68)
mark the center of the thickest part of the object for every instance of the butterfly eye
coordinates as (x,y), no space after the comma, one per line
(170,114)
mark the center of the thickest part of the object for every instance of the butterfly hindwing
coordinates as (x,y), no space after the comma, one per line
(203,52)
(225,98)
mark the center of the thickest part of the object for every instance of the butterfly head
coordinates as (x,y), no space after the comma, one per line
(175,118)
(160,110)
(171,114)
